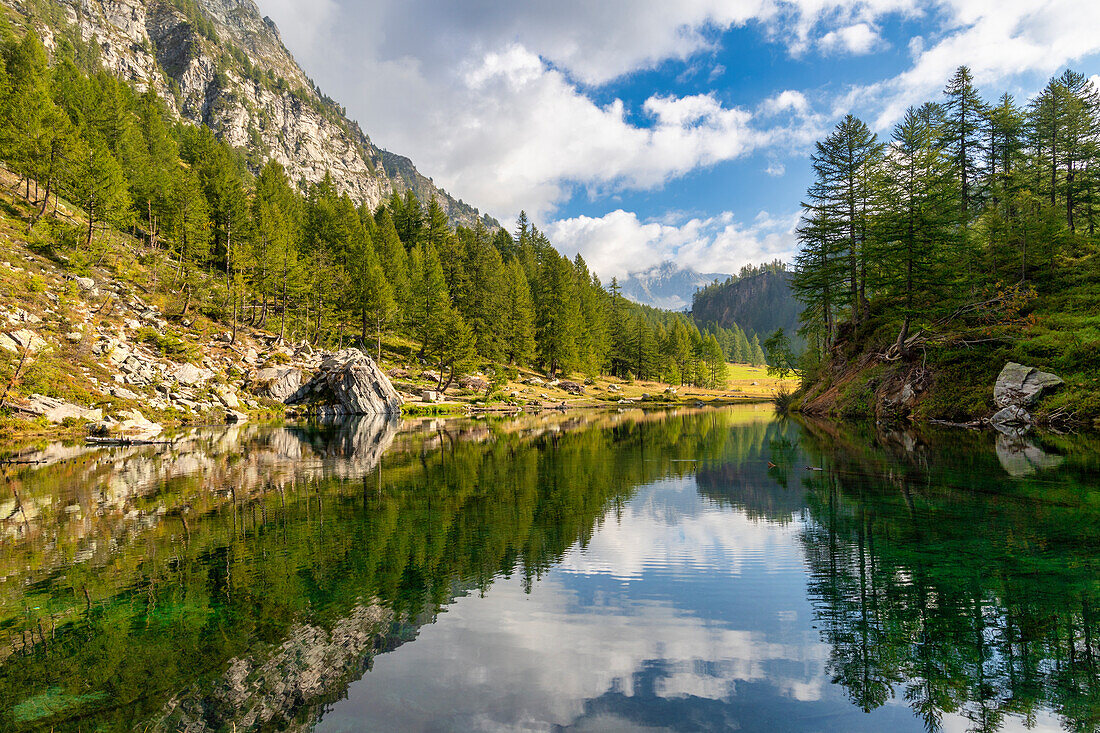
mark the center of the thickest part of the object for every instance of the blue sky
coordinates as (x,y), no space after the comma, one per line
(636,131)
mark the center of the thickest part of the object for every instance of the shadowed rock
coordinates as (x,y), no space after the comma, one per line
(1022,386)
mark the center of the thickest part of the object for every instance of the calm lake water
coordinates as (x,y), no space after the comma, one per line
(686,571)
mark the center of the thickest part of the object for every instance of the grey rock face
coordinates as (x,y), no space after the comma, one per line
(349,383)
(153,45)
(1021,386)
(275,383)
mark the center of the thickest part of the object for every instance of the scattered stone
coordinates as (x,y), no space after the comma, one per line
(74,337)
(1022,386)
(226,397)
(123,393)
(232,417)
(56,410)
(397,373)
(131,424)
(670,390)
(85,283)
(21,340)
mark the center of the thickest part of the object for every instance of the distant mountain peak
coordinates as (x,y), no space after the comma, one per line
(667,284)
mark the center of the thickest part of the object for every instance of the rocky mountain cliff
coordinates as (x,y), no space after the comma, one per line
(220,63)
(759,302)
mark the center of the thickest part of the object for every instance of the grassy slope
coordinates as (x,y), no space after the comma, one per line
(36,276)
(1058,331)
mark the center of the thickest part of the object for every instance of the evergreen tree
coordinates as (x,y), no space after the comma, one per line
(429,297)
(558,315)
(963,115)
(518,317)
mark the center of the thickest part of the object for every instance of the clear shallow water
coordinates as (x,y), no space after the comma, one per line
(592,572)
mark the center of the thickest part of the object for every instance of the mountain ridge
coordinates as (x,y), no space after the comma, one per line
(667,285)
(222,64)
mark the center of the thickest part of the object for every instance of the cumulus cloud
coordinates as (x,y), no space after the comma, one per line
(619,243)
(494,100)
(998,40)
(857,39)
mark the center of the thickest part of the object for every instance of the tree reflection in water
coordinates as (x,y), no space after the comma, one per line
(244,578)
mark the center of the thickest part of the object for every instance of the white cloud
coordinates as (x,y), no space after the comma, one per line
(618,243)
(493,101)
(789,100)
(524,136)
(857,39)
(998,39)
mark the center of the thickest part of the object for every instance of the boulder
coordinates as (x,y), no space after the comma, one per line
(572,387)
(276,383)
(1022,386)
(232,417)
(227,397)
(85,283)
(349,383)
(56,410)
(190,375)
(535,382)
(430,396)
(1012,419)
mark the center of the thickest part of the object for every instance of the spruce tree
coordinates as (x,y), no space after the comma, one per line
(518,317)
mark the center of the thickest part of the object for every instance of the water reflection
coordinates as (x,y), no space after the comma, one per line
(682,571)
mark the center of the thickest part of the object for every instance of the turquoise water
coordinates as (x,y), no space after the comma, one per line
(699,570)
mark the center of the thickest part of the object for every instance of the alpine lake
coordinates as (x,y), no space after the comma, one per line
(681,570)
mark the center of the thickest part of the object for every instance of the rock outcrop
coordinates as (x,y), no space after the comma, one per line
(220,63)
(348,383)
